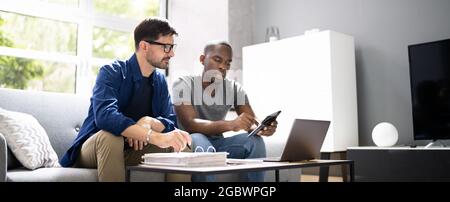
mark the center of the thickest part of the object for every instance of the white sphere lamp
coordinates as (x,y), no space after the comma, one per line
(384,134)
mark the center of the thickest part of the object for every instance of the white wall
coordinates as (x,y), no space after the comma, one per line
(197,22)
(240,32)
(200,21)
(382,29)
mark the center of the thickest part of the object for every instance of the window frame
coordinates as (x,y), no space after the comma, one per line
(86,19)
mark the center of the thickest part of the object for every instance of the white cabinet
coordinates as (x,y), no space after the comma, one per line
(310,76)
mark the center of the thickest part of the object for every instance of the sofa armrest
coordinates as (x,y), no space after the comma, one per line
(3,158)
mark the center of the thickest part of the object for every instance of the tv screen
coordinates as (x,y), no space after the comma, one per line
(429,68)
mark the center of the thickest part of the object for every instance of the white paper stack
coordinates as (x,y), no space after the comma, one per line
(186,159)
(244,161)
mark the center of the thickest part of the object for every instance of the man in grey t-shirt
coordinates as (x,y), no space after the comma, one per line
(202,102)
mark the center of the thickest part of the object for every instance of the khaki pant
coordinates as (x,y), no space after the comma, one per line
(105,152)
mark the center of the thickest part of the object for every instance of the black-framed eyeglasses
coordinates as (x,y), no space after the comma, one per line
(167,47)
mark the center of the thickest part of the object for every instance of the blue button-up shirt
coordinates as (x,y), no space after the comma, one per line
(115,85)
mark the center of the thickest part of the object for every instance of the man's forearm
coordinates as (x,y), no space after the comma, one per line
(140,133)
(157,125)
(135,132)
(153,123)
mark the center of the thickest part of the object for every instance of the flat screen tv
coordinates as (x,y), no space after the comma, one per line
(429,68)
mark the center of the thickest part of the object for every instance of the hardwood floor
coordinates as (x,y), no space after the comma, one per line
(315,178)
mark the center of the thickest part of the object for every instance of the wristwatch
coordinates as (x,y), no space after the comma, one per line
(149,132)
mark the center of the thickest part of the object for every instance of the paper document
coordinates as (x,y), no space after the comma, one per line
(244,161)
(186,159)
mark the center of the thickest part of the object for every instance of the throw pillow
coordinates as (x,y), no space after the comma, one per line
(27,140)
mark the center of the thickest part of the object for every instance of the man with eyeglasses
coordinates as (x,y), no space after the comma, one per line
(202,103)
(131,111)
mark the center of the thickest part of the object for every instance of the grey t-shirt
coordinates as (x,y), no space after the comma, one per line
(189,91)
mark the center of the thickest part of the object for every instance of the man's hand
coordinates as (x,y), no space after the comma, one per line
(243,122)
(177,139)
(151,122)
(136,144)
(146,122)
(268,130)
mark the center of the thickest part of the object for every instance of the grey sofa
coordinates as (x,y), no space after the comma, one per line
(61,115)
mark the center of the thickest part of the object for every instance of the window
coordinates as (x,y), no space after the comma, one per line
(111,44)
(26,32)
(63,2)
(59,45)
(133,9)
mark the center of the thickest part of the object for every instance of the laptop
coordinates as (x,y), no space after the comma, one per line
(304,142)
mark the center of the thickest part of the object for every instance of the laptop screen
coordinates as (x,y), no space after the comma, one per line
(305,140)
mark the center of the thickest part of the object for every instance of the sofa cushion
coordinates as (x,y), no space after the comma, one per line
(52,175)
(27,139)
(60,114)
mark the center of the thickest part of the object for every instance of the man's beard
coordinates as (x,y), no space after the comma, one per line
(160,64)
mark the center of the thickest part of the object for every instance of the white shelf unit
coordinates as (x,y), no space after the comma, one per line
(311,76)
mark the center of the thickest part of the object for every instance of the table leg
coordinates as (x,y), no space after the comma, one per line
(277,175)
(343,156)
(324,170)
(352,171)
(127,175)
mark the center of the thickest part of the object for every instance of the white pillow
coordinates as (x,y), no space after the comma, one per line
(27,140)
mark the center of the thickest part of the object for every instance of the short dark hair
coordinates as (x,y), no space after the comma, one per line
(212,44)
(151,29)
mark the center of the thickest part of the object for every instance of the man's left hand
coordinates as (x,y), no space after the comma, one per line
(136,144)
(269,130)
